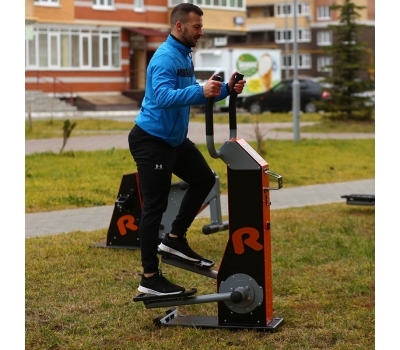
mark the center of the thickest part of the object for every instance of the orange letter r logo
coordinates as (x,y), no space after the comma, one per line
(238,241)
(126,221)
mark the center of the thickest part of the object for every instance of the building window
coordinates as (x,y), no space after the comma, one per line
(213,4)
(85,57)
(303,62)
(303,35)
(287,61)
(323,13)
(282,10)
(220,41)
(95,50)
(75,49)
(283,36)
(30,51)
(103,4)
(67,48)
(43,50)
(47,2)
(54,50)
(105,50)
(303,9)
(115,51)
(323,62)
(138,5)
(324,38)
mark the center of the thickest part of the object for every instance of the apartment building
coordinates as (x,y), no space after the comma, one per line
(270,24)
(75,47)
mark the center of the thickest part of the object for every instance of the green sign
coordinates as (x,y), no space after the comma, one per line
(247,64)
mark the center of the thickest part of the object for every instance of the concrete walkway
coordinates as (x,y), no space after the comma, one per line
(88,219)
(196,134)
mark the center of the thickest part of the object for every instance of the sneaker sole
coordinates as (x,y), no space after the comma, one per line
(148,298)
(169,250)
(145,290)
(202,262)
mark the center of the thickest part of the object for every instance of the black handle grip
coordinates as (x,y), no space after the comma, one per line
(217,77)
(209,111)
(238,77)
(232,106)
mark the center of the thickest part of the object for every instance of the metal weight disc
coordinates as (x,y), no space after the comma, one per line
(253,294)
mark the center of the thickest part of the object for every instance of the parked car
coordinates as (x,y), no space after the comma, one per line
(367,96)
(279,98)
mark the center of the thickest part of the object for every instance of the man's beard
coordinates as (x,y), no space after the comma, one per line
(187,40)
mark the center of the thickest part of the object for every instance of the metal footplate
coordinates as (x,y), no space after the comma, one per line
(196,267)
(240,293)
(210,322)
(148,299)
(169,315)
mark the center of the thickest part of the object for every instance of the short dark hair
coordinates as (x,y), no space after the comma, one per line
(180,13)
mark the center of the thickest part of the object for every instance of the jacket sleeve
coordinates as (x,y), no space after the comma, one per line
(167,95)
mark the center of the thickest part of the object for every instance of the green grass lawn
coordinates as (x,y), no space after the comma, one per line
(327,126)
(81,179)
(80,297)
(43,129)
(323,257)
(247,118)
(91,126)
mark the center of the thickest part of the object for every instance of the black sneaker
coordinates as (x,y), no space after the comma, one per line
(180,248)
(158,285)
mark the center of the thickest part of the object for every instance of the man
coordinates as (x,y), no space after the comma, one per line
(160,147)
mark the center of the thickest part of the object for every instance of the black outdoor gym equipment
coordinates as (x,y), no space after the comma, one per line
(244,278)
(360,199)
(123,231)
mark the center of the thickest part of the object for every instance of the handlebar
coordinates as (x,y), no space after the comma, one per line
(232,108)
(209,111)
(210,120)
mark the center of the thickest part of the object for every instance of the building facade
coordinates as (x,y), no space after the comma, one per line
(103,46)
(75,47)
(271,23)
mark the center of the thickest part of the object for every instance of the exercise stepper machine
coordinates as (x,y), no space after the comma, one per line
(244,278)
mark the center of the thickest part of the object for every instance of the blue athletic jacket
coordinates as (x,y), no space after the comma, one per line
(171,88)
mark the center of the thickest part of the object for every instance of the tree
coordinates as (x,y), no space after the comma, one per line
(349,58)
(67,129)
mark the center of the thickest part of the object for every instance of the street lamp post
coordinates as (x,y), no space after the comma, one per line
(296,85)
(286,41)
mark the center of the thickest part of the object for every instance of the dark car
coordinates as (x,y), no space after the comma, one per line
(279,98)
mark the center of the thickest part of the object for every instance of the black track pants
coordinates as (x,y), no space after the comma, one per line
(156,161)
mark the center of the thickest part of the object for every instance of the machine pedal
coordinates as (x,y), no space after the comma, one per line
(151,297)
(169,316)
(205,264)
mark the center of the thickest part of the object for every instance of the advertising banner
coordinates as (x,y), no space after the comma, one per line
(261,68)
